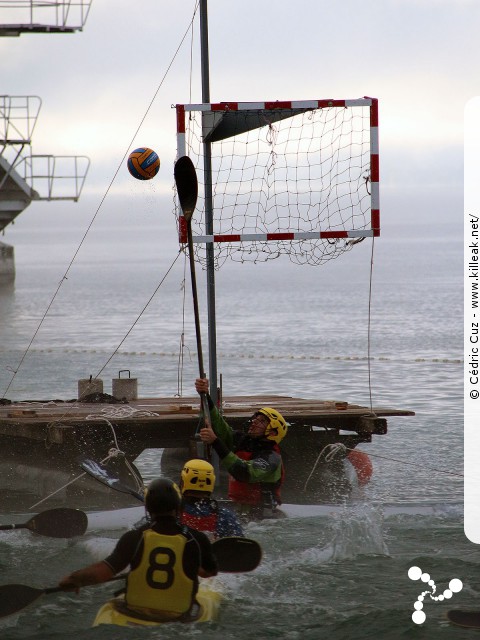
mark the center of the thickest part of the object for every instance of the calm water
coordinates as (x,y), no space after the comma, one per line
(282,329)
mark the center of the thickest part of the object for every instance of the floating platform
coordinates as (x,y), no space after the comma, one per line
(54,435)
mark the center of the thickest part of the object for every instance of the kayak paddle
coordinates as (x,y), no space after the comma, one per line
(15,597)
(103,475)
(234,555)
(466,619)
(187,188)
(55,523)
(237,555)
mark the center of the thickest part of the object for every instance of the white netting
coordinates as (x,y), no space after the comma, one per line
(284,171)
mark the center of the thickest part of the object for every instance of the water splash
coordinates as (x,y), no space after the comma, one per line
(356,531)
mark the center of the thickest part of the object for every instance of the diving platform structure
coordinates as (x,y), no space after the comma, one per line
(25,176)
(42,16)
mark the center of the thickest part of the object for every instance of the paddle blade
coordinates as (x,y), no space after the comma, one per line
(187,185)
(467,619)
(15,597)
(104,475)
(59,523)
(237,555)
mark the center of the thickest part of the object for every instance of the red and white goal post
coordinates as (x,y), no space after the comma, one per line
(294,177)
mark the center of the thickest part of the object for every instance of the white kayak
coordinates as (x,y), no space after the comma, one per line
(126,518)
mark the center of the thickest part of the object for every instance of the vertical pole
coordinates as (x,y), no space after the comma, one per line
(207,165)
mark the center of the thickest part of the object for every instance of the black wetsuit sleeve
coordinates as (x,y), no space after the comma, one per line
(211,403)
(220,448)
(124,550)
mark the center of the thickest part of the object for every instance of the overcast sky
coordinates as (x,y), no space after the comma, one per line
(420,58)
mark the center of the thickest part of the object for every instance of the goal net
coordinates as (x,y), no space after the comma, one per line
(287,178)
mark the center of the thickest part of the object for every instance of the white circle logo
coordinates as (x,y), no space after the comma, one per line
(415,573)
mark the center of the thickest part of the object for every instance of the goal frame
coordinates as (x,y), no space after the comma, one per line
(274,109)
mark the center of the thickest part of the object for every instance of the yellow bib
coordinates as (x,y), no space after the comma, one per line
(159,582)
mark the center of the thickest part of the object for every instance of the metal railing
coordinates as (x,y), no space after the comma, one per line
(22,16)
(49,177)
(54,177)
(18,117)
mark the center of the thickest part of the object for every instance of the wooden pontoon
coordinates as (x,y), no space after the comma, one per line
(55,435)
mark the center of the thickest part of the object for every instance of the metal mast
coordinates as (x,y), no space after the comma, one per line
(207,165)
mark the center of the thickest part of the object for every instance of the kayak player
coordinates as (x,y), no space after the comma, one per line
(165,558)
(253,459)
(199,510)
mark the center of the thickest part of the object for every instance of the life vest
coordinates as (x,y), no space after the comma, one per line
(159,583)
(200,522)
(253,492)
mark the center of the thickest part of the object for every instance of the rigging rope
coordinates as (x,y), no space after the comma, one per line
(181,348)
(70,407)
(113,452)
(141,312)
(330,451)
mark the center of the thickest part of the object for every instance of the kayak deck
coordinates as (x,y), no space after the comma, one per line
(112,612)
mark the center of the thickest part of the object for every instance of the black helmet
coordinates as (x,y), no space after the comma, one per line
(162,496)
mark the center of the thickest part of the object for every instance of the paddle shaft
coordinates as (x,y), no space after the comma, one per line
(201,370)
(187,187)
(195,300)
(121,576)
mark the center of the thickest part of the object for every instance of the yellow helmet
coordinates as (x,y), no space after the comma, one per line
(198,475)
(277,427)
